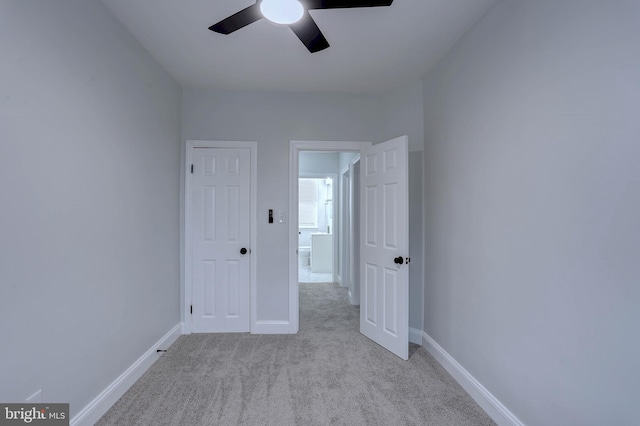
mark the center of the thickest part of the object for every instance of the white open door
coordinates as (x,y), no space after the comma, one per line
(384,245)
(220,238)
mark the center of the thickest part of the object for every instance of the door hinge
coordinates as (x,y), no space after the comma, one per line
(192,169)
(191,309)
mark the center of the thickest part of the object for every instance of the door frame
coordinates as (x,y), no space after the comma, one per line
(345,227)
(295,147)
(187,290)
(349,209)
(354,227)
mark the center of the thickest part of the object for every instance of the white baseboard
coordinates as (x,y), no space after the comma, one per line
(271,327)
(415,336)
(90,414)
(485,399)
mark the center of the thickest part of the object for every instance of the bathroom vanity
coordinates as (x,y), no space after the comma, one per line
(321,252)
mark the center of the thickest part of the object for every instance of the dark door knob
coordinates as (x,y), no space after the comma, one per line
(399,260)
(243,250)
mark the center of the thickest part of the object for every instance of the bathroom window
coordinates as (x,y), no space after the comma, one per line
(308,202)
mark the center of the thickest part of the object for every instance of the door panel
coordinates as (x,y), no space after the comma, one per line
(370,215)
(390,301)
(220,205)
(385,302)
(371,292)
(391,216)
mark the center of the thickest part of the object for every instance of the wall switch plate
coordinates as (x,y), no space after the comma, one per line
(281,217)
(36,398)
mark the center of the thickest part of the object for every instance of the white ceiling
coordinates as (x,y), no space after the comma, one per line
(372,49)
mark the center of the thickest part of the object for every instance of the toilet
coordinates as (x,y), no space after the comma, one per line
(304,256)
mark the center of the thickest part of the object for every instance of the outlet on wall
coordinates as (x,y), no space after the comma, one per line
(36,398)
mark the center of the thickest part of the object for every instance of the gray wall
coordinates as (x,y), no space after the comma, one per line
(344,158)
(274,119)
(403,114)
(532,203)
(89,151)
(319,162)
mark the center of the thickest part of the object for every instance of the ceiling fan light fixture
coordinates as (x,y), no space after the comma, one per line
(289,12)
(284,12)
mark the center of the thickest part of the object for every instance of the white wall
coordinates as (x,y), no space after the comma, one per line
(89,151)
(532,203)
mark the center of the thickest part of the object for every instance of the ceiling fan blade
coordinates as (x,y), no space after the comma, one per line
(309,34)
(337,4)
(238,20)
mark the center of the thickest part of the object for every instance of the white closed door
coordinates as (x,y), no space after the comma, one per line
(220,206)
(384,245)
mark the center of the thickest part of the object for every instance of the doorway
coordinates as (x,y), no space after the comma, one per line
(297,166)
(384,256)
(317,221)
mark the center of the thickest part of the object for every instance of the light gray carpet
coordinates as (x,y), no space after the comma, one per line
(327,374)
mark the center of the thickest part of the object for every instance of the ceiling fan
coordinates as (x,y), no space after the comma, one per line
(294,14)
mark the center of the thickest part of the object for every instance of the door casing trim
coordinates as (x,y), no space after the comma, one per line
(186,286)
